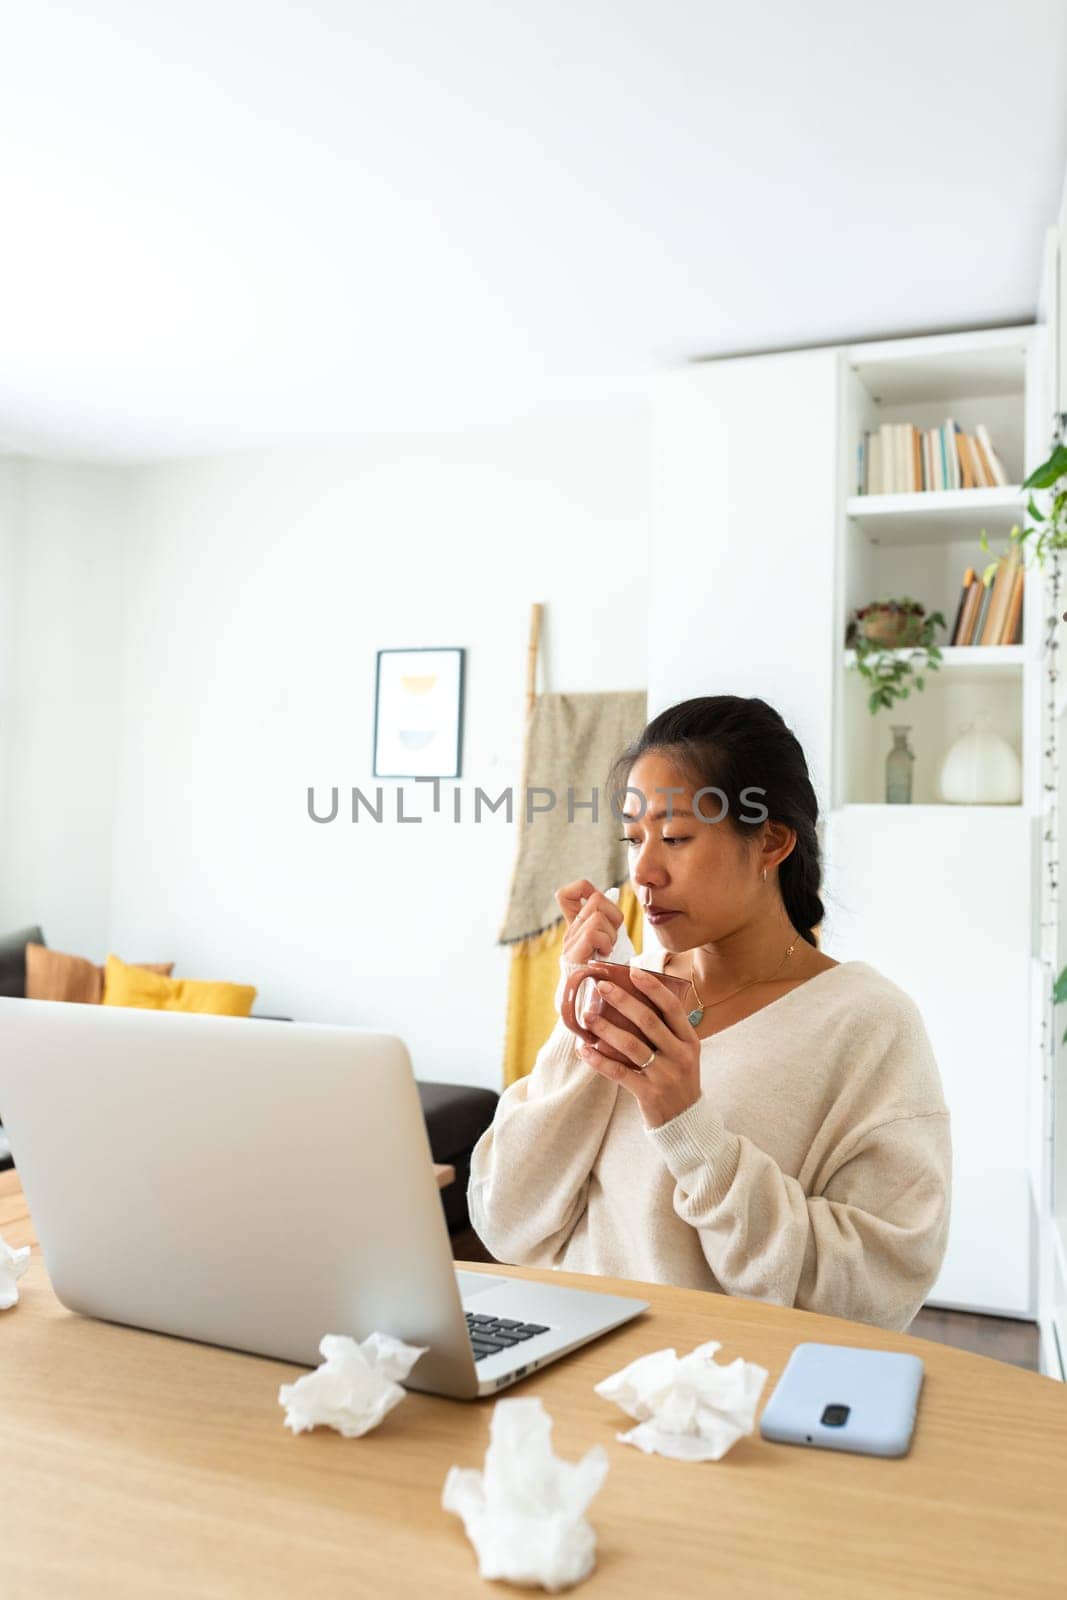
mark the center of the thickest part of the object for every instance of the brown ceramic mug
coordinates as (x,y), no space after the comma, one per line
(592,972)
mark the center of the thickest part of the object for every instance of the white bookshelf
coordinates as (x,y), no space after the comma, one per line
(921,544)
(936,516)
(969,678)
(950,893)
(1051,948)
(778,549)
(983,661)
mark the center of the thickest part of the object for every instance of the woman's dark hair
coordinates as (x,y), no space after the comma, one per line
(740,747)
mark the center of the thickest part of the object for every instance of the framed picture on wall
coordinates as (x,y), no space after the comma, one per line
(418,713)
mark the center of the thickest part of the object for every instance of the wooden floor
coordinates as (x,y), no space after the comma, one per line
(1001,1338)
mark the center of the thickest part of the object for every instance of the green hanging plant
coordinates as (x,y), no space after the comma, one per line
(895,649)
(1059,995)
(1046,531)
(1046,535)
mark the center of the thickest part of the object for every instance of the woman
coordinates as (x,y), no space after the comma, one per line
(785,1137)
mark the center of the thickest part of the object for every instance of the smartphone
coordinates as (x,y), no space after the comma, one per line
(838,1398)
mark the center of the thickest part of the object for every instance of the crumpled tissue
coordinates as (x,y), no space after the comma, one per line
(621,951)
(356,1386)
(13,1264)
(687,1407)
(524,1514)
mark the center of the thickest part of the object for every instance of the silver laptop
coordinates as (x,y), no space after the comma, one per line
(257,1185)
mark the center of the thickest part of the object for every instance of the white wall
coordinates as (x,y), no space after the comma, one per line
(11,545)
(756,617)
(256,591)
(61,535)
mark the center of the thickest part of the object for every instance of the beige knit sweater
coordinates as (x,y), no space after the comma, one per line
(813,1171)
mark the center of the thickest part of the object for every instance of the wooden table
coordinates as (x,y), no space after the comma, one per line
(134,1465)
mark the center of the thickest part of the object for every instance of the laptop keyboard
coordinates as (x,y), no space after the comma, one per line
(490,1335)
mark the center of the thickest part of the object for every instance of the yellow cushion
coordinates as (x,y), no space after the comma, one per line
(133,986)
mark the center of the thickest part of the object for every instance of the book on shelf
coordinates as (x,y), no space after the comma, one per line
(996,466)
(991,615)
(999,593)
(963,445)
(968,580)
(901,459)
(978,450)
(1013,627)
(985,600)
(971,604)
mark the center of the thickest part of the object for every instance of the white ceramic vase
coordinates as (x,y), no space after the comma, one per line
(980,768)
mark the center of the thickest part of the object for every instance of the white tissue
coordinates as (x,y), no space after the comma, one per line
(689,1408)
(524,1514)
(355,1387)
(13,1264)
(622,950)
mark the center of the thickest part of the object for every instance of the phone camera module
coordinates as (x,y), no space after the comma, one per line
(835,1416)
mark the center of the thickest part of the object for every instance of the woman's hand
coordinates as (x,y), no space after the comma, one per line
(593,923)
(670,1083)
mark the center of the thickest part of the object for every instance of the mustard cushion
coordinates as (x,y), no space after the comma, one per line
(133,986)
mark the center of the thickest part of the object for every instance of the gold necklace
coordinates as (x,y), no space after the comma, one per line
(696,1016)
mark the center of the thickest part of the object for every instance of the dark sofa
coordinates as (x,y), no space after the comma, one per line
(13,982)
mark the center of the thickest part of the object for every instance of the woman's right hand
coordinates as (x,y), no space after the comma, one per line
(593,923)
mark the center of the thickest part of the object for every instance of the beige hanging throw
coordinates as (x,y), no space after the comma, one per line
(571,742)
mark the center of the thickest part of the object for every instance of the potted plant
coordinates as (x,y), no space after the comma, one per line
(894,645)
(1047,531)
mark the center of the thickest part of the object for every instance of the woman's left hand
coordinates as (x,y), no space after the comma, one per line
(670,1084)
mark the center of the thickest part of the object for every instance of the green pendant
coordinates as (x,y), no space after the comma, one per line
(696,1017)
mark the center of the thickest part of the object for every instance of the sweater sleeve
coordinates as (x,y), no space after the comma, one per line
(867,1247)
(530,1169)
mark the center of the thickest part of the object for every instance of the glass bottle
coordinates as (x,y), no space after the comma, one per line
(898,768)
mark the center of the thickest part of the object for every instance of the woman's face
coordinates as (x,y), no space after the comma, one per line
(699,871)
